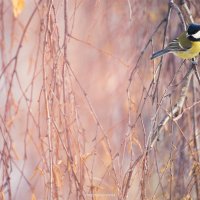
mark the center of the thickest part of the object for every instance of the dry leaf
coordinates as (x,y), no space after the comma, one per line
(57,176)
(37,171)
(2,195)
(18,6)
(33,197)
(15,153)
(85,156)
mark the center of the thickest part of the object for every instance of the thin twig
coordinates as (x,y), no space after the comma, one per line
(176,110)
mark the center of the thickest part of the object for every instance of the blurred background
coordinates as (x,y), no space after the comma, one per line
(80,96)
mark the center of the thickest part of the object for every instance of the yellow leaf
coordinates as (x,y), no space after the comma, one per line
(84,157)
(2,195)
(33,197)
(15,153)
(135,141)
(57,176)
(18,6)
(188,197)
(37,171)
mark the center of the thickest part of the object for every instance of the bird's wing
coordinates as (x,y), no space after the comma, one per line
(180,44)
(175,45)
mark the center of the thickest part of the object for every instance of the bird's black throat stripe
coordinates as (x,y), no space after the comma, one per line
(193,39)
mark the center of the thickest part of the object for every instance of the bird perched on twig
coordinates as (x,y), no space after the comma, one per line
(185,46)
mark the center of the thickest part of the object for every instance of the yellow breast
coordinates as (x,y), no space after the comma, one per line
(190,53)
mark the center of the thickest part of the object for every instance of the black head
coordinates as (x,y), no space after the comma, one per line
(193,32)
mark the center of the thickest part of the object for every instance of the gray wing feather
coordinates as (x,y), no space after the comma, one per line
(160,53)
(174,45)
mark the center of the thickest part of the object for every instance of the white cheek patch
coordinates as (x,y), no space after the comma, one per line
(196,35)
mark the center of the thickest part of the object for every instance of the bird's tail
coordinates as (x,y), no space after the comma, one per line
(159,53)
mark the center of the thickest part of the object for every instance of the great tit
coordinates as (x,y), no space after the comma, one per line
(185,46)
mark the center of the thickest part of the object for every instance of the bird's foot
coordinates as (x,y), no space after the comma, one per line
(194,62)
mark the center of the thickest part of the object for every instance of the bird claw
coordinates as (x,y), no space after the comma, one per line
(194,62)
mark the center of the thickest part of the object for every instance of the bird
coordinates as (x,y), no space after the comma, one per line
(185,46)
